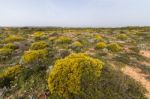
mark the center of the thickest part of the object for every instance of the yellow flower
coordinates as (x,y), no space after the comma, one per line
(114,47)
(77,44)
(5,51)
(13,38)
(39,45)
(63,39)
(10,71)
(69,75)
(34,56)
(100,45)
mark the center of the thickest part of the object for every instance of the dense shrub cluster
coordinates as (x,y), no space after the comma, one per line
(77,46)
(13,38)
(100,45)
(122,36)
(39,36)
(5,53)
(98,38)
(39,45)
(63,39)
(114,47)
(10,46)
(74,75)
(35,57)
(52,40)
(8,74)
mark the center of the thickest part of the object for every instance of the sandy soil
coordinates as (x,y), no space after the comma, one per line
(136,74)
(145,53)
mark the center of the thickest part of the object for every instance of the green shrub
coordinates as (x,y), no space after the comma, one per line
(101,45)
(10,46)
(114,84)
(63,39)
(74,75)
(35,57)
(5,53)
(13,38)
(39,45)
(8,74)
(114,47)
(122,36)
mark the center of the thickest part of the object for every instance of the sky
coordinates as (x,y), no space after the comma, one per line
(75,13)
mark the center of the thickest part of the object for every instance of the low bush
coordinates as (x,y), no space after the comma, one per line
(114,47)
(8,74)
(63,39)
(39,45)
(52,40)
(100,45)
(76,75)
(77,46)
(13,38)
(5,53)
(35,57)
(10,46)
(39,36)
(98,38)
(122,36)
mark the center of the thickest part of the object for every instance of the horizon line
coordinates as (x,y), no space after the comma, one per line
(74,26)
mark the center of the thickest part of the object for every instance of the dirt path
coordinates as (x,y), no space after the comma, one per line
(136,74)
(1,65)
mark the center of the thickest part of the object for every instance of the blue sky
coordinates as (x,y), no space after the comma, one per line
(75,13)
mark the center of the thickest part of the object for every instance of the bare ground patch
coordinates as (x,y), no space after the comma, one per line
(136,74)
(145,53)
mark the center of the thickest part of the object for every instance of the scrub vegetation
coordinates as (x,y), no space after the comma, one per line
(75,63)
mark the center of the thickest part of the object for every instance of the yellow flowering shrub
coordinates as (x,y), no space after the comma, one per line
(52,39)
(9,71)
(114,47)
(77,44)
(63,39)
(74,74)
(101,45)
(34,57)
(5,53)
(39,35)
(9,74)
(10,46)
(122,36)
(98,38)
(13,38)
(38,45)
